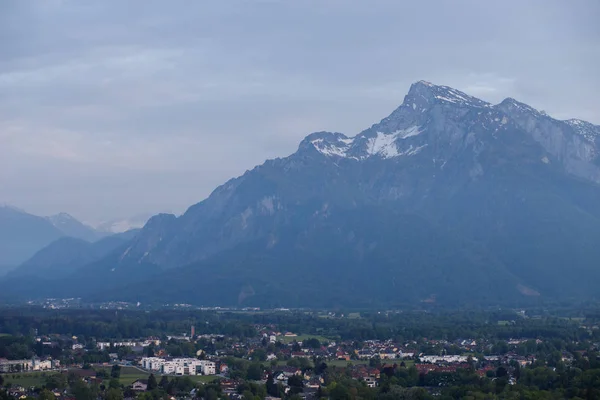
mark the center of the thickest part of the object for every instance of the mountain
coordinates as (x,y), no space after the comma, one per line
(67,254)
(71,227)
(23,234)
(123,225)
(448,200)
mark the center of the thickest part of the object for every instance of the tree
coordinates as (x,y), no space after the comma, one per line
(272,389)
(164,382)
(211,394)
(320,368)
(114,384)
(129,392)
(152,384)
(339,392)
(296,383)
(149,350)
(56,381)
(115,371)
(254,372)
(259,355)
(45,394)
(312,343)
(82,391)
(171,386)
(102,374)
(501,372)
(114,394)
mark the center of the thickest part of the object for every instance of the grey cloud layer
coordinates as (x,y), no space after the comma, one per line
(114,108)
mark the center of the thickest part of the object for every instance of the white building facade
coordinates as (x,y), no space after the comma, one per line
(179,366)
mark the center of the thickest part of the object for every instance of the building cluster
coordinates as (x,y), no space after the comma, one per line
(128,343)
(179,366)
(34,364)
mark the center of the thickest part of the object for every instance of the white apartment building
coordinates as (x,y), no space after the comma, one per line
(179,366)
(15,365)
(27,365)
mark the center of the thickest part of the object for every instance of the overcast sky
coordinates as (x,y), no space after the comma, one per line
(113,108)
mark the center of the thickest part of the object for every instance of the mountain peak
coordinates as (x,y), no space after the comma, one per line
(328,143)
(423,94)
(511,105)
(61,218)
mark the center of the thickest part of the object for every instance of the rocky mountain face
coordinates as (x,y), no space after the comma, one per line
(437,136)
(449,199)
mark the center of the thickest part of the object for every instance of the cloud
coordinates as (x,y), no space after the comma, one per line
(148,105)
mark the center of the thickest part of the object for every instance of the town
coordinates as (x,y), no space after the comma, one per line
(261,359)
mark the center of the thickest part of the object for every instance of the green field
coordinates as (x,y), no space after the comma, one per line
(204,378)
(128,374)
(344,363)
(132,374)
(27,379)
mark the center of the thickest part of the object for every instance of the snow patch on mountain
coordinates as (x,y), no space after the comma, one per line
(583,128)
(381,144)
(330,149)
(123,225)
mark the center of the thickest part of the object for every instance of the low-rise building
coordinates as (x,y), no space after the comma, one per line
(179,366)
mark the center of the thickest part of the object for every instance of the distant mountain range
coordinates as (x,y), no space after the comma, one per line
(448,200)
(123,224)
(66,255)
(23,234)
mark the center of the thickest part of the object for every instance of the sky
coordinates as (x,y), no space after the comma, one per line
(112,108)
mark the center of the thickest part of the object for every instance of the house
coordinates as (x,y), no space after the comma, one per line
(314,382)
(289,371)
(370,381)
(280,376)
(141,385)
(387,354)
